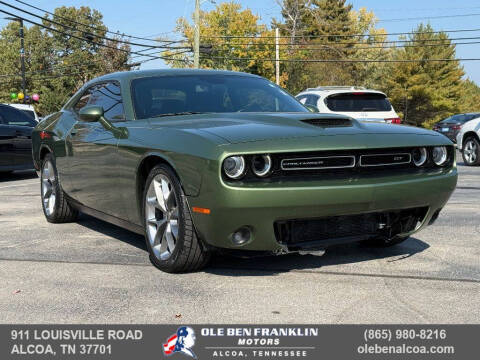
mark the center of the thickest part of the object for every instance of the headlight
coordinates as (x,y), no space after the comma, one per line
(261,165)
(234,167)
(439,154)
(419,156)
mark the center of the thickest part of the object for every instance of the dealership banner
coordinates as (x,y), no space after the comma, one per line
(177,342)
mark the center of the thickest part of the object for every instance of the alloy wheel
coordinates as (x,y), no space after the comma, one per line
(49,189)
(161,217)
(470,151)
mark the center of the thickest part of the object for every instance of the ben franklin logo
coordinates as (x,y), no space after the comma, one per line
(181,342)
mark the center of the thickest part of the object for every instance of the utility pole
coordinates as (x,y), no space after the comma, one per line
(196,39)
(22,55)
(277,56)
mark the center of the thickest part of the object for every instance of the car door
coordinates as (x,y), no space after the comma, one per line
(7,153)
(16,138)
(92,152)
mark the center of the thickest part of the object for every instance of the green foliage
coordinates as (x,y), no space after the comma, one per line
(228,19)
(470,99)
(425,91)
(57,64)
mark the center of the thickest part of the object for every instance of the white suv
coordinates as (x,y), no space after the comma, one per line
(357,102)
(468,142)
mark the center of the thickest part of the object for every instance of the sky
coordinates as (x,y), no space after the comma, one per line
(153,18)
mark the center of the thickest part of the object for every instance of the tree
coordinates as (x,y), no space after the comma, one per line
(59,61)
(322,30)
(235,39)
(425,91)
(470,98)
(370,46)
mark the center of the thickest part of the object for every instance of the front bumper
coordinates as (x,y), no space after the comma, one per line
(260,205)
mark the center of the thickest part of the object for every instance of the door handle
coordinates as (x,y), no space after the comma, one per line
(73,132)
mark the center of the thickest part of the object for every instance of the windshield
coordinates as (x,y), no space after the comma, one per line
(461,118)
(356,102)
(168,95)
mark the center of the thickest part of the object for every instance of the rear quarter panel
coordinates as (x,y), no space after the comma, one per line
(57,125)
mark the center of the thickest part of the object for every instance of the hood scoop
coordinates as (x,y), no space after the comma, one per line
(329,122)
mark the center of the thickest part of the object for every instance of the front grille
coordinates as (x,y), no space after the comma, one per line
(385,159)
(316,163)
(322,232)
(341,164)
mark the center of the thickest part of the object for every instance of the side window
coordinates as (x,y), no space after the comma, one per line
(83,101)
(302,99)
(108,96)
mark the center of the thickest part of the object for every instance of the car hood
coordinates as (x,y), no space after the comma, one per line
(236,128)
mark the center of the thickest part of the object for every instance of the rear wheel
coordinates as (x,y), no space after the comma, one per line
(170,236)
(54,203)
(471,152)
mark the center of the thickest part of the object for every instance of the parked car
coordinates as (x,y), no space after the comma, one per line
(27,109)
(200,160)
(15,139)
(452,125)
(358,102)
(468,142)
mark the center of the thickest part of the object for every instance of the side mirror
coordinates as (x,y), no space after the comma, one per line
(312,108)
(91,113)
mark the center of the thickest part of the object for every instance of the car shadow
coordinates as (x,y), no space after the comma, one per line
(228,265)
(113,231)
(18,175)
(336,255)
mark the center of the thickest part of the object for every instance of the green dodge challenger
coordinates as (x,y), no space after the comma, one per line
(200,160)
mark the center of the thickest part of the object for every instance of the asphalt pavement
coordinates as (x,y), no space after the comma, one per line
(94,272)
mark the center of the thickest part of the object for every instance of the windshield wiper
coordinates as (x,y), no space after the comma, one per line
(180,113)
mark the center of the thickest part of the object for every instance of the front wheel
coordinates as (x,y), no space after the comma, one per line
(471,152)
(170,236)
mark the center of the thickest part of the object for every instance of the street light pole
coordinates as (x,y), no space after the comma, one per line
(196,39)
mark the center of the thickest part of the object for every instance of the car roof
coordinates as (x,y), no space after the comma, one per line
(329,90)
(21,106)
(133,74)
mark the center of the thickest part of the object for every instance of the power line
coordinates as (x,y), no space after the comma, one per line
(339,35)
(323,47)
(423,41)
(88,25)
(75,29)
(340,60)
(78,37)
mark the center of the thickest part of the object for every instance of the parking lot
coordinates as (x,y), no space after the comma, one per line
(94,272)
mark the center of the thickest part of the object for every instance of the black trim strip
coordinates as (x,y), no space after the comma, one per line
(106,217)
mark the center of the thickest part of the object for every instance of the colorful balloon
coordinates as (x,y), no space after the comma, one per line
(20,96)
(35,97)
(13,96)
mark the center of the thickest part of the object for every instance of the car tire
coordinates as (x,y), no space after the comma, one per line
(169,232)
(471,151)
(386,242)
(54,203)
